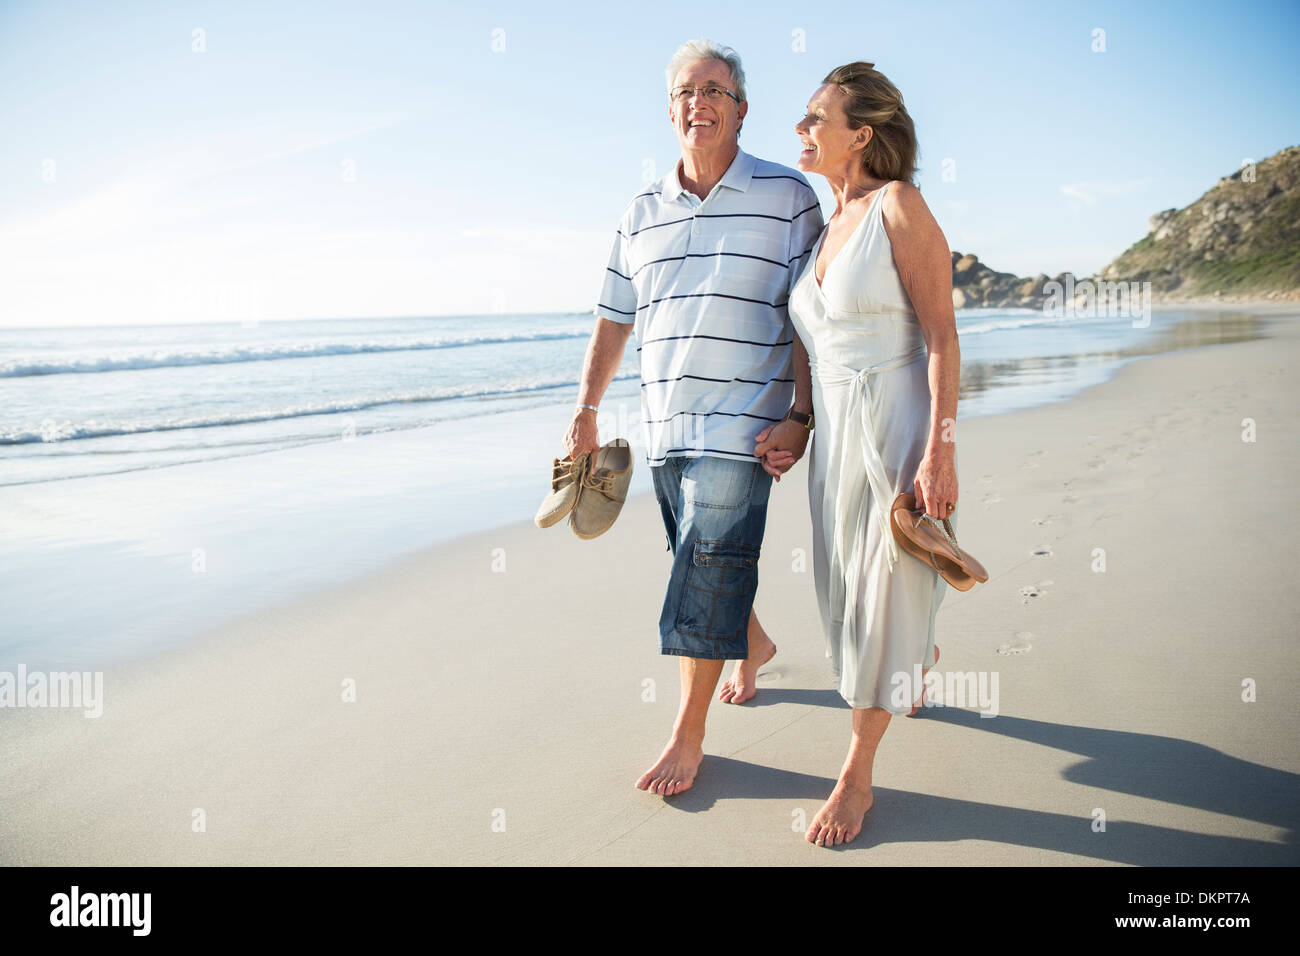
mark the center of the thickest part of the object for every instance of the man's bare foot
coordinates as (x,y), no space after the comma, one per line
(920,701)
(676,769)
(840,818)
(743,683)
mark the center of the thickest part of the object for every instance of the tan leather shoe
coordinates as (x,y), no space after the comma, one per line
(565,489)
(604,489)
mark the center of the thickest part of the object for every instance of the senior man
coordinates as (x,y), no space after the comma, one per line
(700,269)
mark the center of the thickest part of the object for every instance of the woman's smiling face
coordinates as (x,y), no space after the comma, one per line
(825,134)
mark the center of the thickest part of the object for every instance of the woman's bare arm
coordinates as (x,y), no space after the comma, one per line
(925,266)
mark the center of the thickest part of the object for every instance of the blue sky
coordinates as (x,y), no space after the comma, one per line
(376,159)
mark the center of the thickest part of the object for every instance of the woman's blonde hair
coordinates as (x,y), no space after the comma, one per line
(872,100)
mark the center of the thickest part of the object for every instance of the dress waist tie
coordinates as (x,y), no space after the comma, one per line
(857,445)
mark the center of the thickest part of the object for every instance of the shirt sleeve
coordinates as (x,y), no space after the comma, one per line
(617,295)
(805,229)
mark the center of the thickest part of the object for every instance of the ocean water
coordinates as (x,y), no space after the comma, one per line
(156,481)
(88,401)
(101,400)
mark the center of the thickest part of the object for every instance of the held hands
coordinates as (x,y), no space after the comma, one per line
(779,446)
(935,485)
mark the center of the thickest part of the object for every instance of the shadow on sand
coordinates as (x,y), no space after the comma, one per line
(1123,762)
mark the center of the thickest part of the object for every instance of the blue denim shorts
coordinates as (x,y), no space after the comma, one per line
(715,512)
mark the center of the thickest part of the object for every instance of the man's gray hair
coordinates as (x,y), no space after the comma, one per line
(692,51)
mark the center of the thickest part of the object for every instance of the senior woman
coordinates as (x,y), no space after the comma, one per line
(873,308)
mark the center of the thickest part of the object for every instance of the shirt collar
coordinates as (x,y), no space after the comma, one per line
(737,176)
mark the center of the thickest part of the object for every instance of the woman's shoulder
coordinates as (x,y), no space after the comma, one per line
(902,206)
(899,193)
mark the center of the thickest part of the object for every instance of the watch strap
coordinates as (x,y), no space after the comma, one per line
(804,419)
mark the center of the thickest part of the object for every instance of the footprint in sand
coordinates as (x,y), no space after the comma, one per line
(1046,519)
(1069,499)
(1042,551)
(986,479)
(1020,645)
(992,499)
(1034,590)
(1097,464)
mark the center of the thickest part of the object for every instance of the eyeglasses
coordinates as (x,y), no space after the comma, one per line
(681,94)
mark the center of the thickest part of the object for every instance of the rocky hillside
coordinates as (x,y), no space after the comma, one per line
(975,285)
(1243,236)
(1241,239)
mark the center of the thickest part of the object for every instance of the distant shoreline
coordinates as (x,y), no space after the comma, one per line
(1159,300)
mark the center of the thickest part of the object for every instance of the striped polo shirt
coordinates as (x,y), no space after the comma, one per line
(705,284)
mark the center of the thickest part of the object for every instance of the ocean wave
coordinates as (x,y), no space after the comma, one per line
(26,366)
(59,432)
(1029,318)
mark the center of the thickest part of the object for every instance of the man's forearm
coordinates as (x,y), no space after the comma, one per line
(604,356)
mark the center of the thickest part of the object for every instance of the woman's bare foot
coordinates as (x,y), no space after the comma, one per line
(743,683)
(840,818)
(676,769)
(920,700)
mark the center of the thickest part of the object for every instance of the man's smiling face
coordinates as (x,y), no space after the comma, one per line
(702,123)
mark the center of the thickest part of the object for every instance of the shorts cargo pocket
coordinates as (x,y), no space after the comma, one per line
(718,592)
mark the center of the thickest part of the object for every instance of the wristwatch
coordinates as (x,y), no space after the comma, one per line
(805,420)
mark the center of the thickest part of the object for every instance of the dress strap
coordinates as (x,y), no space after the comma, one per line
(878,203)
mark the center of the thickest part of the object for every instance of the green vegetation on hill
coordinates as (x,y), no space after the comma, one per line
(1243,236)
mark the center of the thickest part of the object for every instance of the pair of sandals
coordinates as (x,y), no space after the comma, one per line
(933,541)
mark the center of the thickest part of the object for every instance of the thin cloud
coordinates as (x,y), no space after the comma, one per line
(1090,192)
(304,146)
(152,198)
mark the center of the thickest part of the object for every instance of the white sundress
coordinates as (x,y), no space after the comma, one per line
(871,401)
